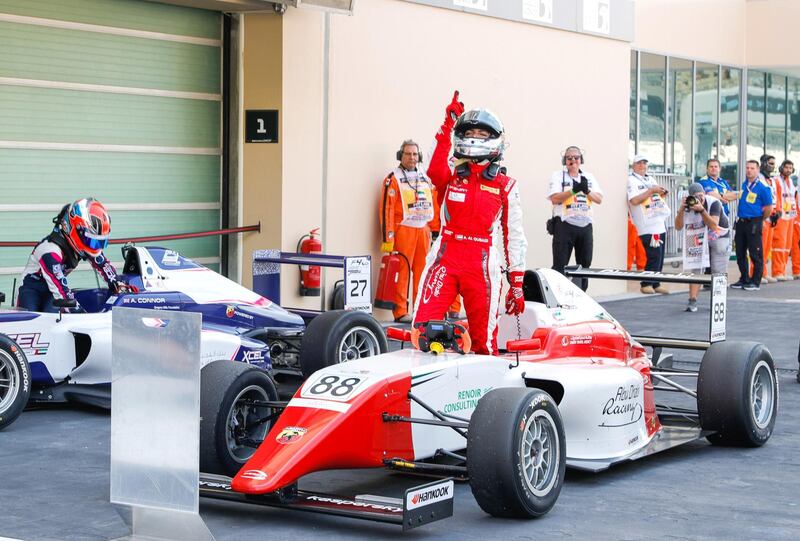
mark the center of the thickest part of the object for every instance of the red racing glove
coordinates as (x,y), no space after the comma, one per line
(120,287)
(453,111)
(515,299)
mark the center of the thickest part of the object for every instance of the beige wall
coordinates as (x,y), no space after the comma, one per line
(771,16)
(261,162)
(710,30)
(392,81)
(302,141)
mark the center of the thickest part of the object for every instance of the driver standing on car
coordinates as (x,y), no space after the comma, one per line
(481,228)
(81,233)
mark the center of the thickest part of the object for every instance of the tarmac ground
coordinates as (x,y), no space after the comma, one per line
(54,466)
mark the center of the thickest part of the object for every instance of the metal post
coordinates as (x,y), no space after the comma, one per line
(638,98)
(719,110)
(326,66)
(742,126)
(666,114)
(693,159)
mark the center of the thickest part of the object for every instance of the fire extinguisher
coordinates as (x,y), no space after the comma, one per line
(310,274)
(387,279)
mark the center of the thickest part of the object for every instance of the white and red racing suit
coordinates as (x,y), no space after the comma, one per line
(481,232)
(45,275)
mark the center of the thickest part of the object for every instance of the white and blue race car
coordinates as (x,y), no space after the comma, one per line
(51,357)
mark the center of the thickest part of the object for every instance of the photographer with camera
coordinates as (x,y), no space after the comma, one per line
(706,236)
(572,192)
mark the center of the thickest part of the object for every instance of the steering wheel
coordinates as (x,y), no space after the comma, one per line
(438,335)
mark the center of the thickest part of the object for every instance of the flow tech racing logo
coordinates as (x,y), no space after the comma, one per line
(435,283)
(429,495)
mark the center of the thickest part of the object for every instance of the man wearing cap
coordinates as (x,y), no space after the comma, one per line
(649,212)
(706,239)
(755,206)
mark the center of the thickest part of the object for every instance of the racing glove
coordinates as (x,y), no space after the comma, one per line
(387,247)
(585,185)
(453,111)
(515,299)
(773,218)
(118,286)
(656,240)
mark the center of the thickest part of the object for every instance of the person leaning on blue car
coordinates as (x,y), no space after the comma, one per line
(81,232)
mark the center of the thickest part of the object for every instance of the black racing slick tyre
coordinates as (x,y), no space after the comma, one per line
(516,453)
(339,336)
(15,381)
(231,427)
(737,393)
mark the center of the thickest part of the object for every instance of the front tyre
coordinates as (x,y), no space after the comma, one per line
(516,453)
(737,393)
(15,381)
(231,426)
(339,336)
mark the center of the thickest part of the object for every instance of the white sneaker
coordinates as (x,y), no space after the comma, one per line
(771,279)
(764,280)
(781,278)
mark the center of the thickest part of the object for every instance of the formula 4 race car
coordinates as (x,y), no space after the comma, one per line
(47,357)
(577,391)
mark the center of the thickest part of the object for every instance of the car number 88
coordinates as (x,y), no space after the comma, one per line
(331,386)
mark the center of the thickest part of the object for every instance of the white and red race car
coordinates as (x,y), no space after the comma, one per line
(578,390)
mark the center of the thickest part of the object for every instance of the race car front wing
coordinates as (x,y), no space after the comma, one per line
(420,504)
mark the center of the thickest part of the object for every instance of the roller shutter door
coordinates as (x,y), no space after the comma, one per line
(115,99)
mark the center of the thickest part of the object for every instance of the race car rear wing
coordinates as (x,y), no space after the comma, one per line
(719,287)
(420,504)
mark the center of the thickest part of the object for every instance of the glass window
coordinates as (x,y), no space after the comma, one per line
(680,115)
(730,107)
(632,128)
(705,116)
(756,99)
(651,109)
(794,121)
(776,116)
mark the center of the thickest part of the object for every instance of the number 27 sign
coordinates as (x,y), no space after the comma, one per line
(357,283)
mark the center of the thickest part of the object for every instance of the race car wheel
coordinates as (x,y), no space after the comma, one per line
(15,381)
(231,428)
(737,393)
(339,336)
(516,454)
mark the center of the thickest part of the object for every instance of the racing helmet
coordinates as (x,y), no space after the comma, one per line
(87,227)
(475,148)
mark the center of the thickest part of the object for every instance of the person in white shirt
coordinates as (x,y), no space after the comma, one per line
(572,191)
(649,212)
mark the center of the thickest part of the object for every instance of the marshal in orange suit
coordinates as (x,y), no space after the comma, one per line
(409,213)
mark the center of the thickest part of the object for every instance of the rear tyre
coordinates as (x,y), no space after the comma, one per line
(516,453)
(339,336)
(737,393)
(230,428)
(15,381)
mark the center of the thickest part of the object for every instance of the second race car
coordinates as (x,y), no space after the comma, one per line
(51,357)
